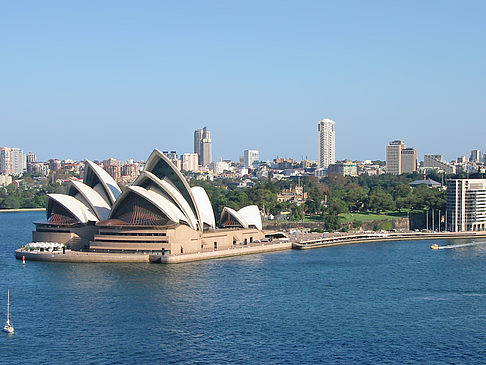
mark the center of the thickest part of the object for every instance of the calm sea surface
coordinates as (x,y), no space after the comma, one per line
(373,303)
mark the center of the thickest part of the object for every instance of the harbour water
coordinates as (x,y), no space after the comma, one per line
(382,302)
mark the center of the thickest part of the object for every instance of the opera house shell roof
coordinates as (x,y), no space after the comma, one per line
(160,196)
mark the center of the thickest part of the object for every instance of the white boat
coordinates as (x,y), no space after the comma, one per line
(8,326)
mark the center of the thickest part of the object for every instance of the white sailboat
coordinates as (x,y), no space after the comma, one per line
(8,326)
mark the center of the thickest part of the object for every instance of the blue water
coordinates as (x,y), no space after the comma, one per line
(395,303)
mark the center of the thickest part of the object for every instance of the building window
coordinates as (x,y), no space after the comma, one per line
(215,244)
(182,249)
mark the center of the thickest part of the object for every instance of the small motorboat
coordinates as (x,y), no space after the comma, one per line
(435,246)
(8,326)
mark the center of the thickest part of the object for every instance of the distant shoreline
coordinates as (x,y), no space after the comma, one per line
(22,210)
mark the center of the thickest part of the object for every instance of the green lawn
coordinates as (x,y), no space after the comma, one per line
(365,217)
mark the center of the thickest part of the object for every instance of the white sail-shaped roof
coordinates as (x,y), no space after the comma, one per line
(231,214)
(167,189)
(165,206)
(77,209)
(251,215)
(97,178)
(246,217)
(204,206)
(165,170)
(89,197)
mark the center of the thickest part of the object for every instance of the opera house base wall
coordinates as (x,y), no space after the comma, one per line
(177,239)
(100,257)
(76,238)
(221,253)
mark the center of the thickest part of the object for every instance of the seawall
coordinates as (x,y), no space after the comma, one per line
(78,256)
(361,238)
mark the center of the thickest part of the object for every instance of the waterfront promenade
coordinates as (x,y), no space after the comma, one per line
(317,240)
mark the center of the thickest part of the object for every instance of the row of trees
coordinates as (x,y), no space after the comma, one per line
(12,197)
(330,196)
(327,197)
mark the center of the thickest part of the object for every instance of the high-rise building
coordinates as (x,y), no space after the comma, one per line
(190,162)
(475,156)
(251,156)
(327,143)
(12,161)
(394,157)
(409,160)
(466,205)
(203,146)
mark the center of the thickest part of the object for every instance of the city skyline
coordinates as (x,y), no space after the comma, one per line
(147,66)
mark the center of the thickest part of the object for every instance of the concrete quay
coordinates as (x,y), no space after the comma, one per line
(80,256)
(346,239)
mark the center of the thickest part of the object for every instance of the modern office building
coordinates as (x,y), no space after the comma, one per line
(250,157)
(409,160)
(327,143)
(394,157)
(466,205)
(203,146)
(436,161)
(13,161)
(475,156)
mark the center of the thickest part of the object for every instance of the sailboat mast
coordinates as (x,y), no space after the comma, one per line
(8,305)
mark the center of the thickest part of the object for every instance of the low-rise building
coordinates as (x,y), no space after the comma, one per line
(436,161)
(345,168)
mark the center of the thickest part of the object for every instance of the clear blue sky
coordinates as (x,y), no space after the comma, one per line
(94,79)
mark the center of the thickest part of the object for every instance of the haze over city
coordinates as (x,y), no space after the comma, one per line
(123,78)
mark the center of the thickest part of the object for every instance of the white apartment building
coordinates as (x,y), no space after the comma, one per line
(251,156)
(190,162)
(327,143)
(466,205)
(12,161)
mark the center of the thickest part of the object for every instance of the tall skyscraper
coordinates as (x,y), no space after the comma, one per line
(203,146)
(251,156)
(475,156)
(394,157)
(327,143)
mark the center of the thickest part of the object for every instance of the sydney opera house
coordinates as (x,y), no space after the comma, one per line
(160,214)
